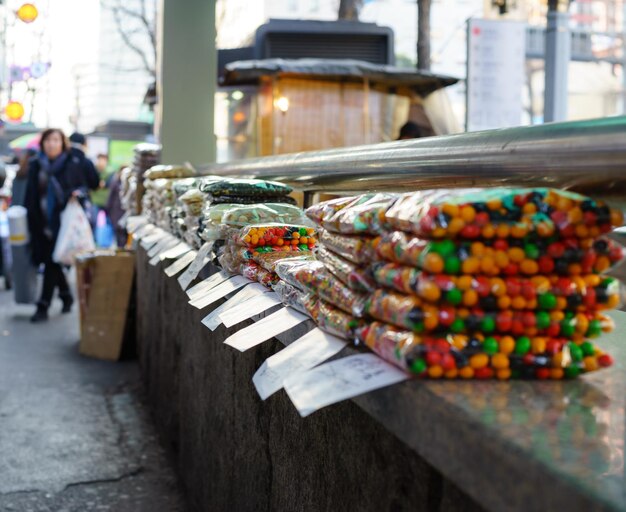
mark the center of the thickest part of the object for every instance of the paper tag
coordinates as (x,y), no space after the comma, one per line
(312,349)
(213,320)
(196,266)
(143,231)
(339,380)
(210,282)
(166,242)
(135,222)
(219,291)
(165,246)
(153,238)
(266,328)
(180,264)
(249,309)
(175,252)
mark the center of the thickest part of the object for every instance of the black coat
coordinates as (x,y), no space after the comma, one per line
(78,174)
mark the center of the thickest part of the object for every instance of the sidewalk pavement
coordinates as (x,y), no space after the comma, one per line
(74,433)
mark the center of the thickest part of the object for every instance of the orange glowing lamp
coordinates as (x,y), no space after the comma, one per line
(14,111)
(27,13)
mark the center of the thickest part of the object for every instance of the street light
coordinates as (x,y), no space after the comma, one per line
(27,13)
(14,111)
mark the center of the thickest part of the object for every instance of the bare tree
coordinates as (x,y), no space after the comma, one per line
(349,9)
(423,34)
(136,25)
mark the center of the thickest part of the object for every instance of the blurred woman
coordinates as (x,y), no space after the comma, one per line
(54,176)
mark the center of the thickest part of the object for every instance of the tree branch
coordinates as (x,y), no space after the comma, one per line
(129,43)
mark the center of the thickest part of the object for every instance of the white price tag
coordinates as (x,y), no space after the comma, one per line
(312,349)
(153,238)
(213,320)
(175,252)
(196,266)
(164,243)
(210,282)
(339,380)
(180,264)
(218,292)
(266,328)
(135,222)
(249,309)
(165,246)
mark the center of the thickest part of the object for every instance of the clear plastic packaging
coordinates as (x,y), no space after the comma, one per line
(238,199)
(267,213)
(290,296)
(590,292)
(168,171)
(328,287)
(413,313)
(357,249)
(482,357)
(500,257)
(288,270)
(245,187)
(364,214)
(268,260)
(277,236)
(337,322)
(354,277)
(504,213)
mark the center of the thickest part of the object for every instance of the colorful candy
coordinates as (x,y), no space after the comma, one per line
(288,270)
(354,277)
(291,296)
(474,214)
(363,214)
(277,236)
(244,215)
(336,322)
(576,293)
(501,257)
(419,316)
(244,187)
(357,249)
(481,356)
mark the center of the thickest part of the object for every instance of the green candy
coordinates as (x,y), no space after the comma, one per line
(444,248)
(595,329)
(547,301)
(488,324)
(303,247)
(418,327)
(532,251)
(522,345)
(490,346)
(454,296)
(458,325)
(418,366)
(452,265)
(572,372)
(575,351)
(302,231)
(588,348)
(567,328)
(542,319)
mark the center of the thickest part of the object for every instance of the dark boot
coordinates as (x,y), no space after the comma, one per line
(68,300)
(41,315)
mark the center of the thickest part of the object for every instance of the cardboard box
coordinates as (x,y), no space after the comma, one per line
(105,281)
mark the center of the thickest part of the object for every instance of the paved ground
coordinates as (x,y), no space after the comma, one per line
(74,433)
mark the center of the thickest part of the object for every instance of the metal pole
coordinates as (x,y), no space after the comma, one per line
(558,50)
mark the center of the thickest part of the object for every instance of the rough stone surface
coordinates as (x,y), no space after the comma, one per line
(236,452)
(74,432)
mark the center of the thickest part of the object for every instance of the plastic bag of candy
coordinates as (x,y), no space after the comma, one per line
(277,235)
(365,214)
(590,292)
(319,212)
(248,200)
(267,213)
(502,213)
(328,287)
(412,313)
(357,249)
(353,276)
(500,257)
(249,270)
(266,278)
(337,322)
(245,187)
(232,258)
(168,171)
(288,270)
(268,260)
(482,357)
(290,296)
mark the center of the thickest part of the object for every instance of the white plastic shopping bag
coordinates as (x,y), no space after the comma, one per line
(75,235)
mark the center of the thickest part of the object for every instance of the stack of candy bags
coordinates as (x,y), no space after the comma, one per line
(500,283)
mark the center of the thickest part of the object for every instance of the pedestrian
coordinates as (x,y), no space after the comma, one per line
(78,150)
(410,130)
(54,176)
(114,208)
(18,188)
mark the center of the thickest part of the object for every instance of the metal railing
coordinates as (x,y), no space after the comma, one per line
(586,156)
